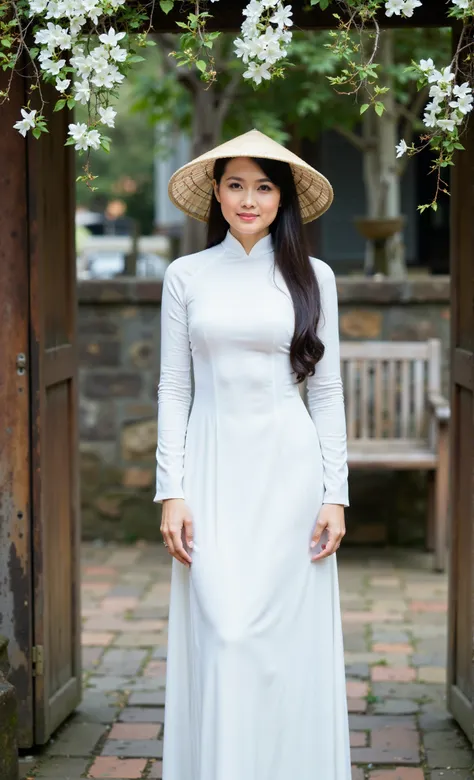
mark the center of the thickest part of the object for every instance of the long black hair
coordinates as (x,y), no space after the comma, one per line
(291,257)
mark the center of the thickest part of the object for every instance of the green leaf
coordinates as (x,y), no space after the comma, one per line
(60,104)
(434,206)
(201,65)
(460,147)
(379,108)
(135,58)
(166,5)
(364,108)
(71,103)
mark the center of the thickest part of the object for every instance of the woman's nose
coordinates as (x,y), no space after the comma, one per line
(248,198)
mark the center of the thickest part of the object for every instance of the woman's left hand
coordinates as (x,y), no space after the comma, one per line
(331,517)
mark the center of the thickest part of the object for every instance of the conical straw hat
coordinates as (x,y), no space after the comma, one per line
(190,187)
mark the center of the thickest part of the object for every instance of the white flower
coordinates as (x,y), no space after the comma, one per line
(79,133)
(462,104)
(111,38)
(430,119)
(28,121)
(62,84)
(394,7)
(282,16)
(401,148)
(242,49)
(82,92)
(53,66)
(107,116)
(257,72)
(427,66)
(457,118)
(76,24)
(118,54)
(37,7)
(446,124)
(433,107)
(410,6)
(93,139)
(464,4)
(462,90)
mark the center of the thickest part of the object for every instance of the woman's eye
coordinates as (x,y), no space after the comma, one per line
(265,187)
(233,185)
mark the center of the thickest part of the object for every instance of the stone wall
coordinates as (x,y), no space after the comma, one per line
(119,338)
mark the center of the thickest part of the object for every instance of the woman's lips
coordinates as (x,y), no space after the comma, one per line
(247,217)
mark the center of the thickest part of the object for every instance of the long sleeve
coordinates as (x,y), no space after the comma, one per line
(174,389)
(326,399)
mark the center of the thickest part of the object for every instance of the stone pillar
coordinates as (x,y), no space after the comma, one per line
(8,719)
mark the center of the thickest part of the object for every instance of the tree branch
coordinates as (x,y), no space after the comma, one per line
(167,44)
(411,116)
(353,138)
(227,96)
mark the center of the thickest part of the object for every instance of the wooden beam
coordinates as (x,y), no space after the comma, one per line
(227,16)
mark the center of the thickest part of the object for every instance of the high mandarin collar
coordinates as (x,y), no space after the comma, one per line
(232,246)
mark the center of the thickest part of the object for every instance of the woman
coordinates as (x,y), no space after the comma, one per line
(251,484)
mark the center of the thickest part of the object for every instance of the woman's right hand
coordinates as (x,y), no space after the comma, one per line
(175,517)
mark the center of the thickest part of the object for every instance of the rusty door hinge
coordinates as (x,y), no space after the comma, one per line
(37,657)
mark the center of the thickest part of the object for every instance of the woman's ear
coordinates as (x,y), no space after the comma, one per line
(216,190)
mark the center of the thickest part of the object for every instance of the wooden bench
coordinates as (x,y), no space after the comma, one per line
(398,419)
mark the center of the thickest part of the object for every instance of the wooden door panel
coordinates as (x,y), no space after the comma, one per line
(15,539)
(460,688)
(55,477)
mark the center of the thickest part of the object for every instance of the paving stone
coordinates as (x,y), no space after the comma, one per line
(139,640)
(122,662)
(436,721)
(91,657)
(126,731)
(160,653)
(77,739)
(396,673)
(63,768)
(356,689)
(358,739)
(451,774)
(107,767)
(156,770)
(400,690)
(390,637)
(96,707)
(113,623)
(136,748)
(369,722)
(454,759)
(109,683)
(371,755)
(392,647)
(96,639)
(357,705)
(395,707)
(26,766)
(400,773)
(127,591)
(144,699)
(357,670)
(432,674)
(444,740)
(357,773)
(142,715)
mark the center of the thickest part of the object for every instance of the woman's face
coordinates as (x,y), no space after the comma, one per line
(249,200)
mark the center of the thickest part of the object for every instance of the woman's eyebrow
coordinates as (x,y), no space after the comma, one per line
(239,178)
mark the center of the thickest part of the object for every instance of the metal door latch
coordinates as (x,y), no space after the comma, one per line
(20,363)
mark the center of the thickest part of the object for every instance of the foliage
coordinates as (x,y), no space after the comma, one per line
(91,75)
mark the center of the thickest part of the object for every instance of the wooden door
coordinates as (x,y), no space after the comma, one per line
(461,583)
(15,529)
(53,369)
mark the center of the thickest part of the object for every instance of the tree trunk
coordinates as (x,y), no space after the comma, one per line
(206,133)
(381,179)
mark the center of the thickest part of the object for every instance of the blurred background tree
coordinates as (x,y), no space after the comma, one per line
(291,110)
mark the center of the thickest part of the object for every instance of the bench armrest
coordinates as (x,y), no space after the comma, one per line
(440,407)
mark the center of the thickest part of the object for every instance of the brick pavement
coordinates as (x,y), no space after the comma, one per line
(394,617)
